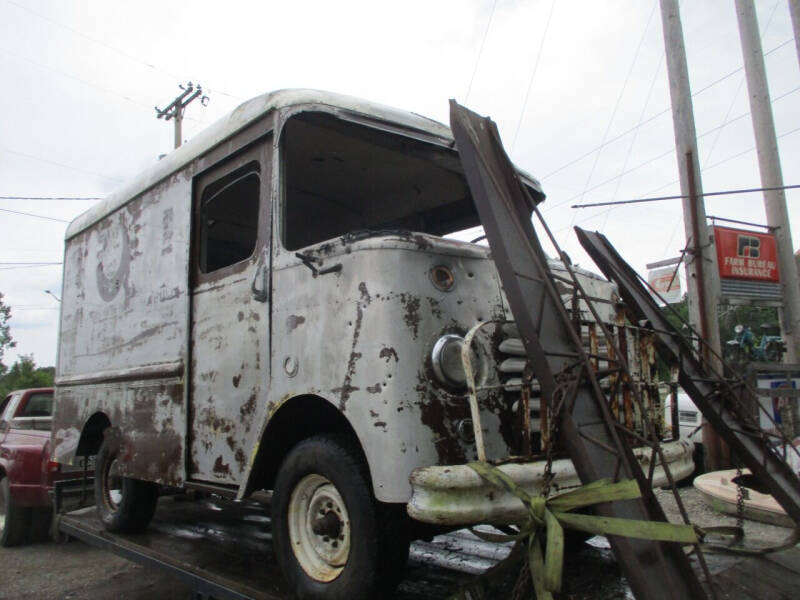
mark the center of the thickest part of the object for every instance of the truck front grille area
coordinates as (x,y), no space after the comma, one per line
(637,346)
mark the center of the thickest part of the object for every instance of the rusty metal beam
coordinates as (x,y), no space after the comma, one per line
(713,394)
(554,349)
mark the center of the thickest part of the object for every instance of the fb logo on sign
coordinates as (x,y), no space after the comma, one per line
(749,246)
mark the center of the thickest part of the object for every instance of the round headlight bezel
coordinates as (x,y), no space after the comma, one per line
(446,361)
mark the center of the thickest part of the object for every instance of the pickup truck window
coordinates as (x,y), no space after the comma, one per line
(354,178)
(3,404)
(38,405)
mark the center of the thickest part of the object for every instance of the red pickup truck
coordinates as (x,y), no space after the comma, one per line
(26,472)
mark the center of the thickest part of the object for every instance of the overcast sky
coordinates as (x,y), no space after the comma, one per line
(579,91)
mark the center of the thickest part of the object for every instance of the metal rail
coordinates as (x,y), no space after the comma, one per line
(555,353)
(713,394)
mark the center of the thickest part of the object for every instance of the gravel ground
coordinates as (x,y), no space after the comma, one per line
(49,571)
(74,570)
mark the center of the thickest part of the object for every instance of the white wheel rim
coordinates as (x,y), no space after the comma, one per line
(321,555)
(2,512)
(113,485)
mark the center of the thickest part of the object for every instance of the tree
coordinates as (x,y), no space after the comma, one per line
(25,374)
(5,332)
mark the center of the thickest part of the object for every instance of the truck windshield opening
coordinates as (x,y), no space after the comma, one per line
(342,177)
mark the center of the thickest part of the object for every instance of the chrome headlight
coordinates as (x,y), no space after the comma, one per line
(446,360)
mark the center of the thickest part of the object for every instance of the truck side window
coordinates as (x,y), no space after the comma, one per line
(228,221)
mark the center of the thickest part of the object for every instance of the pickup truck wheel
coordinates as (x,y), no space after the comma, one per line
(123,504)
(332,539)
(14,519)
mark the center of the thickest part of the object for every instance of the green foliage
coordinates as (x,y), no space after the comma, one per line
(25,374)
(5,333)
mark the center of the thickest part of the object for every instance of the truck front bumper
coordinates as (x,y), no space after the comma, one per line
(457,496)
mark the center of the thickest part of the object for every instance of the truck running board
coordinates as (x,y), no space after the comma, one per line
(556,355)
(715,396)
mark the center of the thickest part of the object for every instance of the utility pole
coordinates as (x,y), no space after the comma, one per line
(794,11)
(769,165)
(702,277)
(178,105)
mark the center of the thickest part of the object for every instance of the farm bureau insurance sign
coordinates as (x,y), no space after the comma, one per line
(743,254)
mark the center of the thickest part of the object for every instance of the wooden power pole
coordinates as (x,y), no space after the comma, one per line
(794,11)
(702,277)
(178,105)
(769,165)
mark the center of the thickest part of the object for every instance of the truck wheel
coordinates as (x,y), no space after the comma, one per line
(332,539)
(14,519)
(123,504)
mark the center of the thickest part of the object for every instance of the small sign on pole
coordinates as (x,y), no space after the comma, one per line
(748,265)
(667,283)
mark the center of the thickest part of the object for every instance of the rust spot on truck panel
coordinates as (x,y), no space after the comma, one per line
(294,321)
(389,354)
(221,468)
(436,311)
(365,297)
(214,422)
(411,316)
(380,424)
(375,389)
(347,387)
(153,456)
(241,459)
(236,380)
(240,316)
(440,415)
(249,407)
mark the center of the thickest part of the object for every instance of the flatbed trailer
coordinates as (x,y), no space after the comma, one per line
(221,552)
(222,549)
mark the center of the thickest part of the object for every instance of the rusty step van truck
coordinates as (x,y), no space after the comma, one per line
(278,305)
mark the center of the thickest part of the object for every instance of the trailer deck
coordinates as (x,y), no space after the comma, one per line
(223,550)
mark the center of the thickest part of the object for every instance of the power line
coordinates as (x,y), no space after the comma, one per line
(480,52)
(655,116)
(679,196)
(616,107)
(723,161)
(58,164)
(17,212)
(113,48)
(78,79)
(47,198)
(23,264)
(672,151)
(533,75)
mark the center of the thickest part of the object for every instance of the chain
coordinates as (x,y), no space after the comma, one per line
(739,499)
(552,430)
(522,587)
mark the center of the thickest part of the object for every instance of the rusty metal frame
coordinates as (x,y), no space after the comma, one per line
(713,394)
(589,430)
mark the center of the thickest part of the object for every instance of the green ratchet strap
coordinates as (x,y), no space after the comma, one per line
(547,518)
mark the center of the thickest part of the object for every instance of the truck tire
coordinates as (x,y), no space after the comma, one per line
(14,519)
(123,504)
(332,539)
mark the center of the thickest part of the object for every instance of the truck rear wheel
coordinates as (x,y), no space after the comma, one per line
(123,504)
(332,539)
(14,519)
